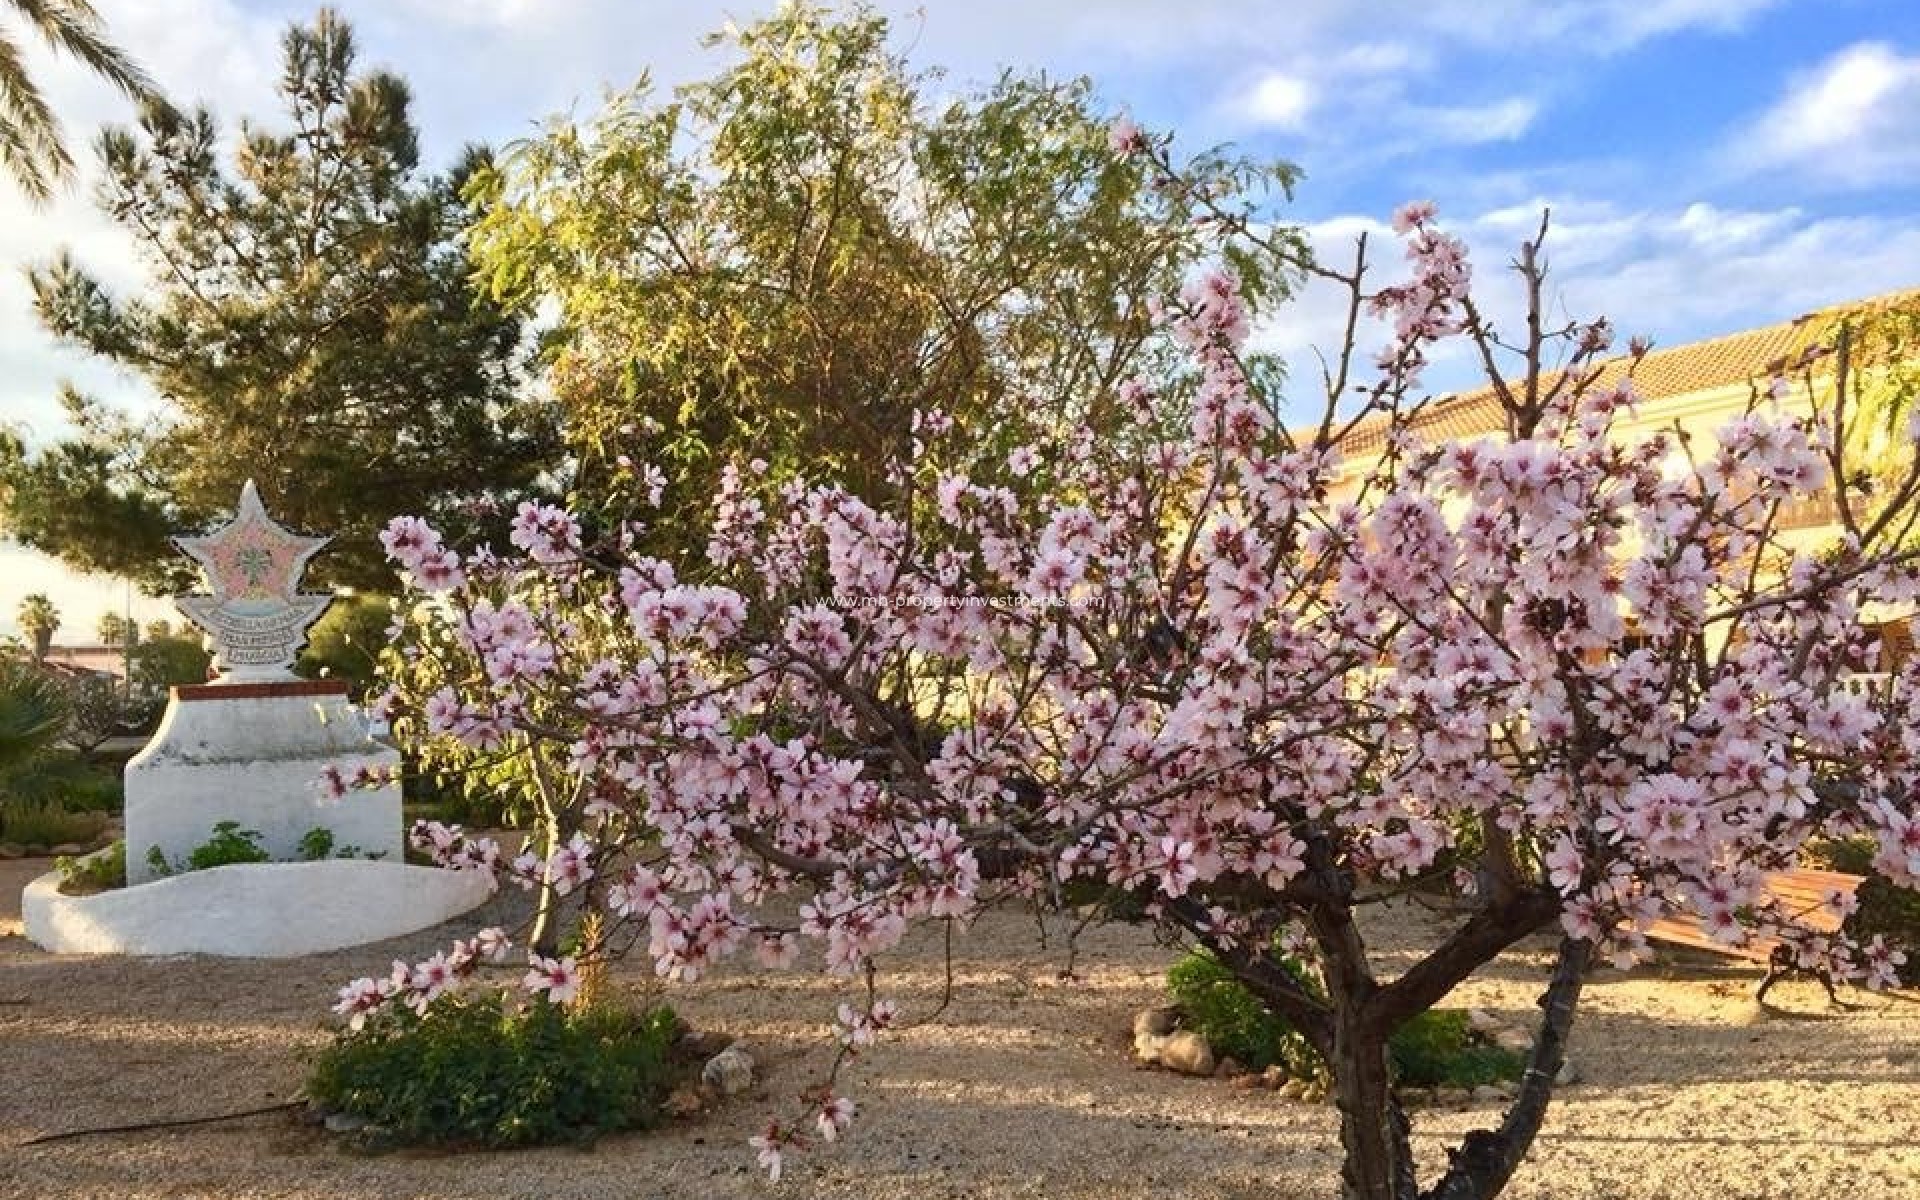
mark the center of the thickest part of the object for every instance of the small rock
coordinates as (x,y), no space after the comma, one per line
(314,1113)
(1147,1046)
(1159,1021)
(1482,1021)
(730,1071)
(346,1122)
(1188,1053)
(1294,1089)
(67,850)
(12,850)
(1246,1083)
(1274,1078)
(1453,1097)
(1228,1068)
(1567,1075)
(1515,1040)
(1486,1093)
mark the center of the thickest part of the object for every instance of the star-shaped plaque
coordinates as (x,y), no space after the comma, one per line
(257,616)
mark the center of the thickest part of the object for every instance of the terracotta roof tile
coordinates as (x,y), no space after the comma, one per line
(1663,374)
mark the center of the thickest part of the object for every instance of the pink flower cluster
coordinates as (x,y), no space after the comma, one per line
(1225,671)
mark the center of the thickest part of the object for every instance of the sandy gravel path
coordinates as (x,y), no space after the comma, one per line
(1022,1088)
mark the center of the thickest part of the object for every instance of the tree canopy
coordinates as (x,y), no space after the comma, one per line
(788,261)
(308,321)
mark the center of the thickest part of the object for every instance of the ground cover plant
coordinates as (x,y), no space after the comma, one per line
(489,1068)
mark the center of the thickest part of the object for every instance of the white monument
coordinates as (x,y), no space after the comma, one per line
(255,747)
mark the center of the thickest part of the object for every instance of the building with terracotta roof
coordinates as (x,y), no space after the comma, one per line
(1695,388)
(1694,385)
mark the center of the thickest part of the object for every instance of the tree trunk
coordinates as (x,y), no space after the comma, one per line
(1373,1130)
(1487,1159)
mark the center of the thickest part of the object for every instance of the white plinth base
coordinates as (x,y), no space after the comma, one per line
(252,910)
(255,754)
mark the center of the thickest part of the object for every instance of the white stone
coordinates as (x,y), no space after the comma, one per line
(1187,1053)
(252,910)
(1147,1046)
(730,1072)
(257,760)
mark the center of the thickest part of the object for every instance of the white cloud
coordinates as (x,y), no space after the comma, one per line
(1849,122)
(1278,100)
(1501,121)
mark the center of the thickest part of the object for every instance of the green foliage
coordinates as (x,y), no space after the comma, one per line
(1886,909)
(345,643)
(38,619)
(98,707)
(94,872)
(309,317)
(473,1070)
(229,844)
(165,662)
(1437,1048)
(790,259)
(316,844)
(43,823)
(1234,1022)
(33,715)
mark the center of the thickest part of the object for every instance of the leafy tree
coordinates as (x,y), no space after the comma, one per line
(99,707)
(30,143)
(38,619)
(117,630)
(345,643)
(310,322)
(790,260)
(160,663)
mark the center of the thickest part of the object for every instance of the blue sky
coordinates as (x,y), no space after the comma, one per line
(1711,164)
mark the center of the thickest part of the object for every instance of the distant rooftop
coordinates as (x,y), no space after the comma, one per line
(1663,374)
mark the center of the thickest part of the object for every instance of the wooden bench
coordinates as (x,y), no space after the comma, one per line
(1799,895)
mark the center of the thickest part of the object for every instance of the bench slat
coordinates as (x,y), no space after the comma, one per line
(1800,896)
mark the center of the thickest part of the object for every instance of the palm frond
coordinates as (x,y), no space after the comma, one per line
(29,133)
(74,27)
(33,713)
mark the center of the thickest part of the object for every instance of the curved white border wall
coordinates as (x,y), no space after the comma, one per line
(252,910)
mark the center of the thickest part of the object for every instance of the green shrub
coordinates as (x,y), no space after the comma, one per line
(316,844)
(47,823)
(95,872)
(474,1070)
(229,844)
(1234,1022)
(1438,1048)
(1886,909)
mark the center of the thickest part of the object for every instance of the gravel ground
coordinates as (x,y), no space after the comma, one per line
(1021,1088)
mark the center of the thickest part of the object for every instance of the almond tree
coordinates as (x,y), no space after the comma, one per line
(1251,686)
